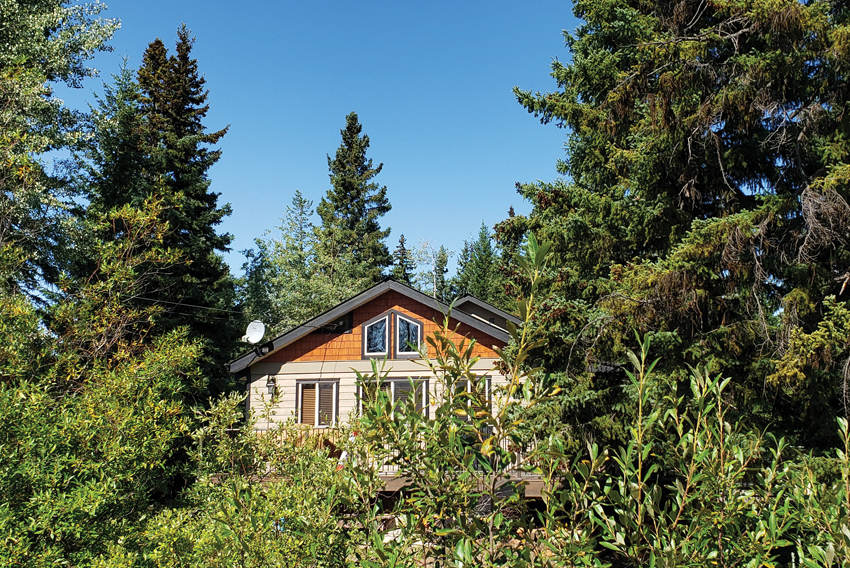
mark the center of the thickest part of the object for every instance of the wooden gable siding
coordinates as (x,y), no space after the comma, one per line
(348,346)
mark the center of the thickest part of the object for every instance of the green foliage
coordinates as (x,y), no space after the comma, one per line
(433,264)
(149,139)
(353,206)
(290,279)
(403,263)
(705,202)
(94,417)
(41,41)
(441,287)
(478,270)
(262,499)
(463,502)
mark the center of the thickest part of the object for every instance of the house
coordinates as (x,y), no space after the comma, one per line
(308,373)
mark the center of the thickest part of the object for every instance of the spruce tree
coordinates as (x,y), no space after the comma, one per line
(354,204)
(118,170)
(478,269)
(403,264)
(460,281)
(705,201)
(200,292)
(441,286)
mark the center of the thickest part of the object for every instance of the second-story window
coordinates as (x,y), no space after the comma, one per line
(408,336)
(376,337)
(393,335)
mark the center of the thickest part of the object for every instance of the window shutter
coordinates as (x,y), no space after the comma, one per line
(404,392)
(326,404)
(308,404)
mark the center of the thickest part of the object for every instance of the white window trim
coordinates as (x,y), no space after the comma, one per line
(488,390)
(392,382)
(299,405)
(366,352)
(399,344)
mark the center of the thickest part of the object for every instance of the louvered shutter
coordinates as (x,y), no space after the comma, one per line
(326,404)
(404,391)
(308,404)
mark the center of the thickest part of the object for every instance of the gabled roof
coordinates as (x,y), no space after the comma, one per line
(469,299)
(386,285)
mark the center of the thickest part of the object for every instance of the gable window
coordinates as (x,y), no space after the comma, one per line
(408,336)
(376,337)
(317,403)
(392,334)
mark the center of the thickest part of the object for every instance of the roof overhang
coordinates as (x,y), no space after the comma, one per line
(490,307)
(265,349)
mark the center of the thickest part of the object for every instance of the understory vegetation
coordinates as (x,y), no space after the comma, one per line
(678,390)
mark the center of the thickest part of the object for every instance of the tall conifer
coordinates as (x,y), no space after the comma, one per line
(174,103)
(403,264)
(705,201)
(441,286)
(354,205)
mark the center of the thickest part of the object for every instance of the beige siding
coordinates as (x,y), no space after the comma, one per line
(288,375)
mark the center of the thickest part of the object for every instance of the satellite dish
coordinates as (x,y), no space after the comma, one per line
(254,333)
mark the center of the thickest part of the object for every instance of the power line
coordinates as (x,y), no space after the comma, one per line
(182,304)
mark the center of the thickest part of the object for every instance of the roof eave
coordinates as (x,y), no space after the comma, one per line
(262,351)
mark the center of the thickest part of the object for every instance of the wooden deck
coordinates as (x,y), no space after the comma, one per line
(332,440)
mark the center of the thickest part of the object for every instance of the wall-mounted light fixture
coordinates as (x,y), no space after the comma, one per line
(271,385)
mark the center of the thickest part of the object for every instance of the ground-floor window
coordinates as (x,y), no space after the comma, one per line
(482,397)
(400,390)
(317,402)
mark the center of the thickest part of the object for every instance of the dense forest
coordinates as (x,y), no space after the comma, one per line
(680,378)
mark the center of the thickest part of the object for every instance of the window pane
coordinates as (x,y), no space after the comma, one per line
(376,337)
(308,404)
(326,404)
(404,392)
(408,336)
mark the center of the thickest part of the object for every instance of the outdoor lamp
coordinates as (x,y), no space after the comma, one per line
(270,384)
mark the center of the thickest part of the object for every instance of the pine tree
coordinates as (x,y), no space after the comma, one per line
(353,206)
(403,264)
(174,103)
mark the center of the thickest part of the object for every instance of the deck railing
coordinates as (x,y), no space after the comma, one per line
(334,440)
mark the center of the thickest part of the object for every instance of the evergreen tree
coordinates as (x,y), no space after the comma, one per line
(481,268)
(706,202)
(118,168)
(459,283)
(478,269)
(353,206)
(441,286)
(403,263)
(290,279)
(174,103)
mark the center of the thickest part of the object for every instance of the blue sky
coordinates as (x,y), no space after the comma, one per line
(430,81)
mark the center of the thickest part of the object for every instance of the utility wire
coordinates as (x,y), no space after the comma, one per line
(182,304)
